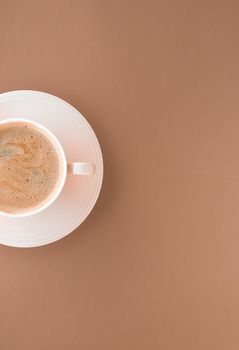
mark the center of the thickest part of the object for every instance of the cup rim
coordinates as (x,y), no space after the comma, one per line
(56,192)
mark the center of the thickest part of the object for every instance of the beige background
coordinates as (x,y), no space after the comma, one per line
(156,264)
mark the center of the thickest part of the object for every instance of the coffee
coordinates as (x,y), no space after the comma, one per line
(29,167)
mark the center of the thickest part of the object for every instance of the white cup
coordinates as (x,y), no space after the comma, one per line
(73,168)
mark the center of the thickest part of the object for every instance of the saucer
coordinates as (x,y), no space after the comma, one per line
(79,193)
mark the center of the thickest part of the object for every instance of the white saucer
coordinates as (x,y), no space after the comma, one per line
(79,193)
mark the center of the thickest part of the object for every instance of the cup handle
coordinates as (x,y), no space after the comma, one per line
(80,168)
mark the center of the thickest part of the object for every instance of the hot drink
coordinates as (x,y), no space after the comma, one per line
(29,167)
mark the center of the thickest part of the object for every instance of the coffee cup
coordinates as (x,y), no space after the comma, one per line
(64,168)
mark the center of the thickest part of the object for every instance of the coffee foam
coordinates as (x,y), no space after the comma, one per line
(29,167)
